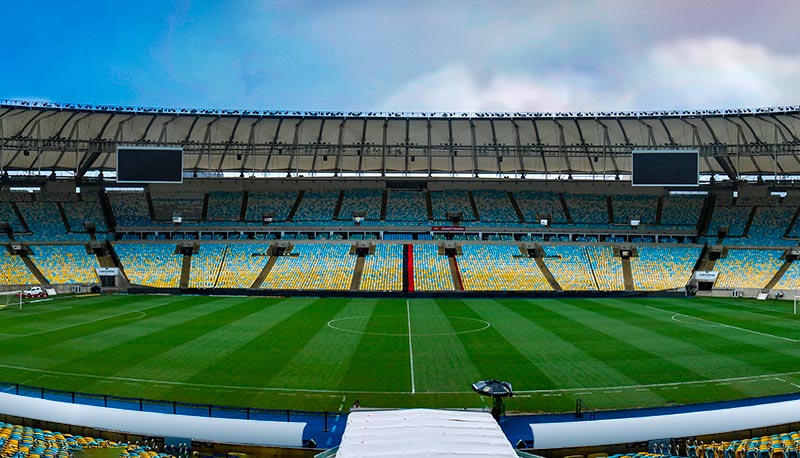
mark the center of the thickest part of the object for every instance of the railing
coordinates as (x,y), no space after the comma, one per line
(318,418)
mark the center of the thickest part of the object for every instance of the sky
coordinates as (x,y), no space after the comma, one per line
(410,56)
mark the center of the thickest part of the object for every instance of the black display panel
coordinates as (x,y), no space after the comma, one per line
(666,168)
(149,165)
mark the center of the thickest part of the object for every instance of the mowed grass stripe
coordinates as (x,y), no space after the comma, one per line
(671,356)
(491,353)
(165,332)
(440,360)
(62,348)
(724,314)
(563,357)
(72,312)
(602,344)
(381,362)
(254,364)
(323,361)
(747,347)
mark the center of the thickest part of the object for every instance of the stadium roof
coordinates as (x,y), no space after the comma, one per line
(45,137)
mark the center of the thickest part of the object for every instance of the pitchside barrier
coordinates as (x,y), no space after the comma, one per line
(320,424)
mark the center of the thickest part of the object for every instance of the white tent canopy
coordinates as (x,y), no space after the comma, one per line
(423,433)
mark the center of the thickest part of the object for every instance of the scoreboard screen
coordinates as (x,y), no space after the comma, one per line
(665,168)
(149,165)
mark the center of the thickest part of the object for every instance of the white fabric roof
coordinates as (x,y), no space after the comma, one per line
(423,433)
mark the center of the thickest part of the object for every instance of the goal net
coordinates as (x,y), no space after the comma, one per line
(10,299)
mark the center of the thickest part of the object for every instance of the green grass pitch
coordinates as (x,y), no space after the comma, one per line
(323,354)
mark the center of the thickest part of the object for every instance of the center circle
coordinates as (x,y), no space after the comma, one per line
(351,324)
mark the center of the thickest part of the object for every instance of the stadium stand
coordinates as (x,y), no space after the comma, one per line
(734,217)
(316,206)
(768,228)
(243,263)
(86,211)
(534,204)
(494,268)
(207,263)
(19,441)
(224,206)
(9,215)
(406,207)
(187,204)
(785,444)
(150,264)
(45,222)
(628,207)
(13,271)
(662,268)
(63,264)
(313,267)
(569,265)
(431,270)
(681,211)
(745,268)
(587,209)
(494,206)
(262,203)
(130,208)
(361,200)
(451,200)
(606,267)
(383,270)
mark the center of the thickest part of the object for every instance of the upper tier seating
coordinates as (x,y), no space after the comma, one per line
(743,268)
(431,270)
(187,204)
(44,220)
(735,217)
(206,265)
(316,206)
(681,211)
(494,268)
(276,202)
(243,263)
(406,206)
(535,204)
(130,209)
(494,206)
(224,206)
(62,264)
(662,268)
(151,264)
(450,201)
(641,207)
(13,270)
(87,211)
(313,267)
(9,215)
(587,209)
(361,200)
(383,270)
(768,228)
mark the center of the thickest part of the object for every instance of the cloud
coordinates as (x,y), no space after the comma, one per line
(688,73)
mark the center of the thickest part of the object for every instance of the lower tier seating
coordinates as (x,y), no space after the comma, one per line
(494,268)
(431,270)
(383,270)
(313,267)
(662,268)
(62,264)
(743,268)
(150,264)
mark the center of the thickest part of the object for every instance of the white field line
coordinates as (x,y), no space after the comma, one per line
(410,348)
(257,390)
(764,334)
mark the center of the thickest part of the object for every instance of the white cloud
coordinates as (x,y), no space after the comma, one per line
(708,72)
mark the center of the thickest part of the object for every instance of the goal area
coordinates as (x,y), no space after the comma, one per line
(10,299)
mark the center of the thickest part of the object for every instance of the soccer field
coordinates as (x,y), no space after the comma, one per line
(323,354)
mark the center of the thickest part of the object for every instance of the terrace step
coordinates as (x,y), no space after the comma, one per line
(355,283)
(264,272)
(627,274)
(455,273)
(34,270)
(548,275)
(186,268)
(517,210)
(779,274)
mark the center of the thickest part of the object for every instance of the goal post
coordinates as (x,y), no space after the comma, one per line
(796,300)
(10,299)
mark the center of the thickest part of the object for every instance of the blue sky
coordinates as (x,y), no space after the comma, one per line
(405,55)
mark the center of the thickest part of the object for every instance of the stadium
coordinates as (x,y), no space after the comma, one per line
(360,229)
(276,267)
